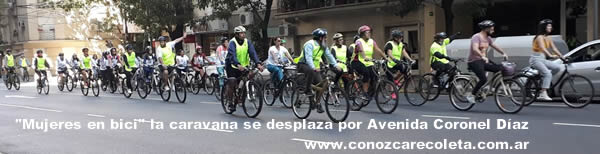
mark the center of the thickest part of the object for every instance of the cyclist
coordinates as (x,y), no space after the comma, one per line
(341,53)
(438,54)
(148,63)
(166,57)
(105,64)
(363,54)
(396,50)
(40,65)
(87,64)
(24,65)
(198,60)
(9,63)
(61,67)
(276,57)
(478,61)
(130,62)
(310,59)
(181,61)
(239,53)
(542,45)
(221,55)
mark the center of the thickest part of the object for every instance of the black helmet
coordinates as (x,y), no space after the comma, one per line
(440,35)
(61,54)
(397,33)
(8,50)
(223,39)
(319,32)
(545,22)
(356,37)
(486,24)
(148,48)
(162,38)
(84,49)
(39,51)
(129,47)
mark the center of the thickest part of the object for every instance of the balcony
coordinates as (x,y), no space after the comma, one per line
(295,8)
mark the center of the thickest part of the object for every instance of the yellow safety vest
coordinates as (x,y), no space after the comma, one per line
(10,60)
(367,48)
(396,52)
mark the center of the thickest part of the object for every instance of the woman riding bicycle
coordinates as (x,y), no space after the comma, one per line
(181,60)
(148,62)
(396,50)
(130,62)
(61,67)
(105,65)
(310,60)
(363,54)
(198,60)
(88,62)
(40,65)
(221,54)
(478,61)
(542,45)
(277,57)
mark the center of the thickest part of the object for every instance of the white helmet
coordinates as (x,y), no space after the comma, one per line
(239,29)
(337,36)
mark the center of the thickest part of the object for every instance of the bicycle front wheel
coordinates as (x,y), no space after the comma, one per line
(46,86)
(60,86)
(301,103)
(252,104)
(355,95)
(180,90)
(577,91)
(209,85)
(17,82)
(69,83)
(414,90)
(337,104)
(95,87)
(125,89)
(386,97)
(84,90)
(285,96)
(269,93)
(460,88)
(510,96)
(227,101)
(530,86)
(433,87)
(164,94)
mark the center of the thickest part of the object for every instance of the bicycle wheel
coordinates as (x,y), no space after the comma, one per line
(209,86)
(8,83)
(164,94)
(337,104)
(228,99)
(414,88)
(285,96)
(84,90)
(39,86)
(355,95)
(269,93)
(46,86)
(95,87)
(576,91)
(26,76)
(253,102)
(180,90)
(218,91)
(386,96)
(189,79)
(125,89)
(113,86)
(60,86)
(70,83)
(531,90)
(142,90)
(461,87)
(17,82)
(510,96)
(301,104)
(433,89)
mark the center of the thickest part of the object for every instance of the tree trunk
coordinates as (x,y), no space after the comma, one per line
(265,26)
(449,16)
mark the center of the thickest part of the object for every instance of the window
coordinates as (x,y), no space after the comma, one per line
(589,53)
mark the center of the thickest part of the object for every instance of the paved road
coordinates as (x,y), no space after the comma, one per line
(552,127)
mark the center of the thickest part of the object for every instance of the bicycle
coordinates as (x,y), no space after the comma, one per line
(174,82)
(67,81)
(500,86)
(576,91)
(383,90)
(144,84)
(219,83)
(244,91)
(43,84)
(434,86)
(203,82)
(281,91)
(92,83)
(25,74)
(133,81)
(411,85)
(12,79)
(336,99)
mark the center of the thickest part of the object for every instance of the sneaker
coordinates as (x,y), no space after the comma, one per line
(167,88)
(320,108)
(544,96)
(470,97)
(129,91)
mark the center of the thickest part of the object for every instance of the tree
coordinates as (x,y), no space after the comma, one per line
(261,10)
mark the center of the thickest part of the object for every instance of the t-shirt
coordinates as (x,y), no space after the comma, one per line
(277,57)
(167,45)
(221,54)
(182,61)
(484,44)
(198,59)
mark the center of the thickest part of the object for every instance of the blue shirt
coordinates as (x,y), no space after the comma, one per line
(308,55)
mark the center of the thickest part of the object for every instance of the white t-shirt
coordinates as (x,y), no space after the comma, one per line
(277,57)
(61,63)
(167,45)
(182,61)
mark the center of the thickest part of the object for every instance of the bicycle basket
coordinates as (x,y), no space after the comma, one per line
(508,68)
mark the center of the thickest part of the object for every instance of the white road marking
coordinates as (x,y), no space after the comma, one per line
(572,124)
(550,105)
(29,107)
(306,140)
(448,117)
(95,115)
(19,96)
(220,130)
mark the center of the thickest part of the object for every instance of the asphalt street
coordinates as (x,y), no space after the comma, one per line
(551,127)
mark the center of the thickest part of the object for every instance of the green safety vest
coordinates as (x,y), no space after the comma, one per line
(23,62)
(130,61)
(241,52)
(396,52)
(168,56)
(316,54)
(87,62)
(435,47)
(367,48)
(340,54)
(41,63)
(10,60)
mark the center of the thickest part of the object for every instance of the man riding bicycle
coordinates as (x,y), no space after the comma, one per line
(238,56)
(478,61)
(439,59)
(310,60)
(130,62)
(166,57)
(341,53)
(40,65)
(9,63)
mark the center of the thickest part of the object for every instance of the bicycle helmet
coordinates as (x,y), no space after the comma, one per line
(162,38)
(239,29)
(508,68)
(486,24)
(223,39)
(39,51)
(8,50)
(129,47)
(84,49)
(545,22)
(319,32)
(61,54)
(440,35)
(364,28)
(337,36)
(356,37)
(397,34)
